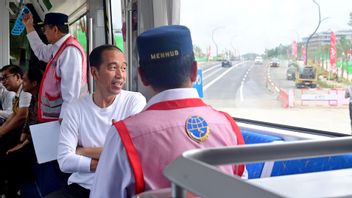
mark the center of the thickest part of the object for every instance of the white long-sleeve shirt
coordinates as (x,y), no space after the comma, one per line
(85,124)
(69,65)
(6,98)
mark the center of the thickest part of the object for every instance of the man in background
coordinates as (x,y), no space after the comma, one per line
(11,129)
(6,98)
(65,76)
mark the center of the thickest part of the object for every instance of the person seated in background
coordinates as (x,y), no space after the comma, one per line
(20,159)
(175,120)
(6,98)
(86,121)
(10,130)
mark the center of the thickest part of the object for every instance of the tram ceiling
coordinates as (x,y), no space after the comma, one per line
(74,9)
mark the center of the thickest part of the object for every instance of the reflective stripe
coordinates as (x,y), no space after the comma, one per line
(51,103)
(240,167)
(132,155)
(51,116)
(177,104)
(50,110)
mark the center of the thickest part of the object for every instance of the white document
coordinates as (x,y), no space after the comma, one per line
(45,138)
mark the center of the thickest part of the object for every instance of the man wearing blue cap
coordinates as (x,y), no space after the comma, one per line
(175,120)
(65,76)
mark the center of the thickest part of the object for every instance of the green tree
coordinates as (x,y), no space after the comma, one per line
(270,53)
(198,51)
(281,51)
(325,55)
(342,48)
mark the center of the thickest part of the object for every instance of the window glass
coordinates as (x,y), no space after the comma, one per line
(19,47)
(117,23)
(278,72)
(79,30)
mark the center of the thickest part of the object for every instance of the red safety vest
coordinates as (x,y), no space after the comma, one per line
(157,136)
(50,98)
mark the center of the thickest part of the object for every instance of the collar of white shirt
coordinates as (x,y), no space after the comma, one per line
(19,91)
(173,94)
(58,43)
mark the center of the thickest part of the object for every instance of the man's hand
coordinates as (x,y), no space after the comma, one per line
(93,165)
(24,136)
(91,152)
(27,20)
(16,148)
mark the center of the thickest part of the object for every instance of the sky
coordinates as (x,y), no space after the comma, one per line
(255,25)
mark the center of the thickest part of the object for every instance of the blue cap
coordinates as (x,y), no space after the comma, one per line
(55,19)
(164,43)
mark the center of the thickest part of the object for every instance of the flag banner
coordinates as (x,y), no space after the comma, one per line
(332,52)
(294,49)
(209,52)
(304,54)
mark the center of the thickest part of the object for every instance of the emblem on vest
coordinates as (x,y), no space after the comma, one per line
(197,128)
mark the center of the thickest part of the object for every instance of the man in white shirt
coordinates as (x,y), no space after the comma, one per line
(6,98)
(65,75)
(86,121)
(10,131)
(12,80)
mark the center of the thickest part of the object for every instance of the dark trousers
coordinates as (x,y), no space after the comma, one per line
(7,142)
(18,168)
(70,191)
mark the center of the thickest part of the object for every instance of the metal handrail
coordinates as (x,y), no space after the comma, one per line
(191,170)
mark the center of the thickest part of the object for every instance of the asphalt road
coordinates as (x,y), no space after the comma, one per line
(243,90)
(278,75)
(243,84)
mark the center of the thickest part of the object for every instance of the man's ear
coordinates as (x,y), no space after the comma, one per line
(194,71)
(56,29)
(19,77)
(143,78)
(94,72)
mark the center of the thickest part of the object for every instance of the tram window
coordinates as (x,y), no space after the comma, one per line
(79,30)
(241,30)
(20,52)
(117,23)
